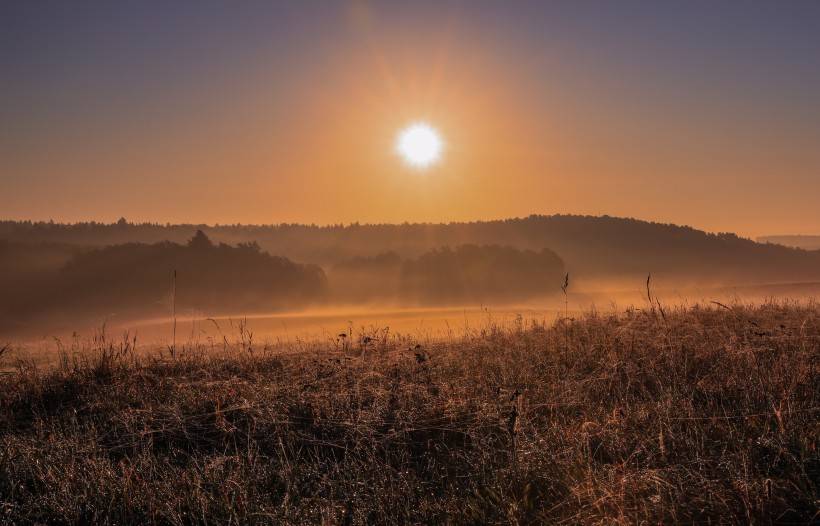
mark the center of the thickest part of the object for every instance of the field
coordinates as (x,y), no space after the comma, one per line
(704,414)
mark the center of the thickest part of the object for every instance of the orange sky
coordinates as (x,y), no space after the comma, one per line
(300,128)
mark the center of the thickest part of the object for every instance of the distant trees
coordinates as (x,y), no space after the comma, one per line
(135,278)
(471,273)
(200,241)
(591,247)
(464,274)
(210,277)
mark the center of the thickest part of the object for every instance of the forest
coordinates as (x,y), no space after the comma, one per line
(596,248)
(137,280)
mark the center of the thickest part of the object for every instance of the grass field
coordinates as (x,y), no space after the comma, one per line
(705,414)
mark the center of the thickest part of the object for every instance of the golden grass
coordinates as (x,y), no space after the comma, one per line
(698,414)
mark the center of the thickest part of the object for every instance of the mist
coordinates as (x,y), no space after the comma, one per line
(60,278)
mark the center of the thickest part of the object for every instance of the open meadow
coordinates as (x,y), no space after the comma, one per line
(701,414)
(363,262)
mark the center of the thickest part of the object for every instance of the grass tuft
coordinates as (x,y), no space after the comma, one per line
(706,414)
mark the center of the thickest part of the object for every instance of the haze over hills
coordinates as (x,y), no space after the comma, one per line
(413,347)
(806,242)
(91,269)
(134,280)
(595,248)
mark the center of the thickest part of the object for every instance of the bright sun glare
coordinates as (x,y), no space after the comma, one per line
(419,145)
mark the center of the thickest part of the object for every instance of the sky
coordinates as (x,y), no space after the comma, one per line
(698,113)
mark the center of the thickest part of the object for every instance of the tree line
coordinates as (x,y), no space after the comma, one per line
(591,246)
(131,280)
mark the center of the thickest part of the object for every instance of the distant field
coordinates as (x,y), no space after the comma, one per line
(324,323)
(699,414)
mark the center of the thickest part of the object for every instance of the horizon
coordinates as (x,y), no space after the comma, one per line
(349,262)
(138,222)
(704,115)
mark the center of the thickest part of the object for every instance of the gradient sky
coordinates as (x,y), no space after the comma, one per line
(698,113)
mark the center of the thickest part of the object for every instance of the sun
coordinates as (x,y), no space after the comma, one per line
(420,145)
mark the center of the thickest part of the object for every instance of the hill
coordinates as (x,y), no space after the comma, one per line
(795,241)
(591,247)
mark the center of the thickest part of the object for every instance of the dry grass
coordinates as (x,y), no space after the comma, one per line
(703,414)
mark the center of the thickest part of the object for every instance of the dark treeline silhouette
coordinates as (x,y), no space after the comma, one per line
(796,241)
(464,274)
(133,280)
(591,247)
(136,279)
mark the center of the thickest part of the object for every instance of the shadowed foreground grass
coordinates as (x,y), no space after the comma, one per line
(699,414)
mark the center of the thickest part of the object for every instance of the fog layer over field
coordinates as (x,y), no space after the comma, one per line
(306,281)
